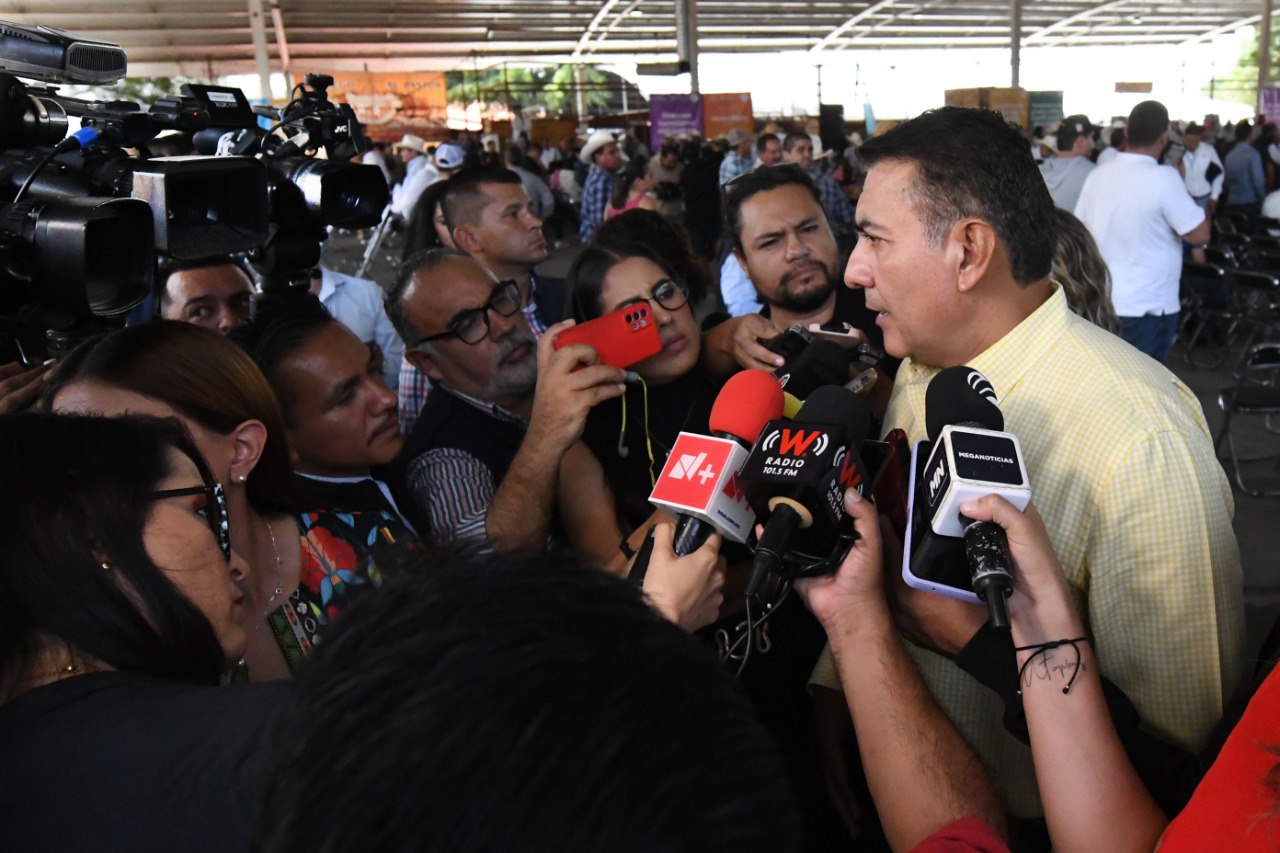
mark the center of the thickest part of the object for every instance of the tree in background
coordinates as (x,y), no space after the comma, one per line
(1241,83)
(550,86)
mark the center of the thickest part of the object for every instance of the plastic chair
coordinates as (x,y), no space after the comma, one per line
(1254,394)
(1201,320)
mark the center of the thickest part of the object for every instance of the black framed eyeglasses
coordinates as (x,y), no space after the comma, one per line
(472,326)
(668,293)
(214,511)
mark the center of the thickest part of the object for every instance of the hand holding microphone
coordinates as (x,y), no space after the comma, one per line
(687,590)
(858,584)
(969,457)
(699,482)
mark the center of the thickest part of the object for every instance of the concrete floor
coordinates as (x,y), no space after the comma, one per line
(1257,520)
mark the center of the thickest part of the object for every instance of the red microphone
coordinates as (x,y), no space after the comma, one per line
(699,483)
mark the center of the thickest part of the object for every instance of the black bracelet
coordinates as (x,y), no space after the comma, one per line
(626,549)
(1041,648)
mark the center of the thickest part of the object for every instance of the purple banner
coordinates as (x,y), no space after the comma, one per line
(672,115)
(1271,103)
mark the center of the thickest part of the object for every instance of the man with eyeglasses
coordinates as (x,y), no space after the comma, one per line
(490,217)
(504,411)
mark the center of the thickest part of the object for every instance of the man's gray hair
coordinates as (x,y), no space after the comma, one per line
(428,259)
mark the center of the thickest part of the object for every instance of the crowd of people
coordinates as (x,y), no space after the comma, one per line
(353,566)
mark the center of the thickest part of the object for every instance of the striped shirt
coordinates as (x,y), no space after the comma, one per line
(453,489)
(1139,511)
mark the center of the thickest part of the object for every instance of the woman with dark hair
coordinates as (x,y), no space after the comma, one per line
(121,614)
(633,190)
(651,229)
(169,369)
(427,228)
(631,436)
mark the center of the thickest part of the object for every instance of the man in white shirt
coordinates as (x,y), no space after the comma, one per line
(1201,170)
(540,197)
(404,197)
(357,304)
(1140,212)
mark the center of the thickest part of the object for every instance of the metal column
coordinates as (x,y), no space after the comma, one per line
(579,96)
(258,26)
(1015,40)
(687,38)
(1264,55)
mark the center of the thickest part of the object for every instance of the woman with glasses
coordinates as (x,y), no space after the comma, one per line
(122,613)
(632,436)
(176,370)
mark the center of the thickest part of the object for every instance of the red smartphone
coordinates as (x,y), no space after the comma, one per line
(890,489)
(620,338)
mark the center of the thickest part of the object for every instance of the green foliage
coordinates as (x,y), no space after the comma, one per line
(551,86)
(1241,83)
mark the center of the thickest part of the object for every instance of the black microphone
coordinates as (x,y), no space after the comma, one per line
(819,364)
(969,456)
(798,472)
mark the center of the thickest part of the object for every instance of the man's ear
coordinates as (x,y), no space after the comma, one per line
(424,361)
(464,237)
(742,262)
(977,244)
(248,441)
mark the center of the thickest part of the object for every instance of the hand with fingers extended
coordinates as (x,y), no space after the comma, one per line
(20,386)
(687,590)
(571,381)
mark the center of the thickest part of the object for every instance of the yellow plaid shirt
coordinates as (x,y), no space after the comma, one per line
(1123,470)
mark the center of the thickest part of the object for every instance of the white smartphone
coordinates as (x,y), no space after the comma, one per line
(946,572)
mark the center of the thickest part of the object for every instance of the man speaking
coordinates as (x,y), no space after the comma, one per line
(956,236)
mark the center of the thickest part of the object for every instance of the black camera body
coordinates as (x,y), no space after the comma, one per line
(84,218)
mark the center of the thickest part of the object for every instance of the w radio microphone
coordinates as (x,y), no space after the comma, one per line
(798,472)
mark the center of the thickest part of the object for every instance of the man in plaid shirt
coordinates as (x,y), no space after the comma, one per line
(602,154)
(798,148)
(740,158)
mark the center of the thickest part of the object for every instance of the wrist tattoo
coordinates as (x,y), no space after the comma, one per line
(1050,665)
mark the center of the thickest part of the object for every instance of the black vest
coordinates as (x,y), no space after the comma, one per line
(449,422)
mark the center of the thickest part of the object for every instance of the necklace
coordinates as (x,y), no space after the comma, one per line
(279,590)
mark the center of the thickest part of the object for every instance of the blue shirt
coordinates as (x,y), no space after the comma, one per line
(1244,181)
(357,304)
(595,198)
(733,165)
(838,208)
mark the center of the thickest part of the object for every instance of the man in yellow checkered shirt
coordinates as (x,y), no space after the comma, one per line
(956,239)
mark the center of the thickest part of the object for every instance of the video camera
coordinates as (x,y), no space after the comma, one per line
(83,217)
(307,194)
